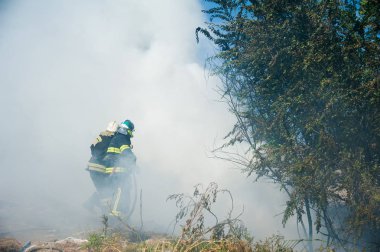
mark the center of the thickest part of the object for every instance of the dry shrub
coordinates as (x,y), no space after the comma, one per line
(9,245)
(228,234)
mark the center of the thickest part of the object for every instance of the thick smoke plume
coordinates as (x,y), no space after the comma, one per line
(69,67)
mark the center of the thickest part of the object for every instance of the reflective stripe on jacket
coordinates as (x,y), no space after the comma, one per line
(119,143)
(118,150)
(103,169)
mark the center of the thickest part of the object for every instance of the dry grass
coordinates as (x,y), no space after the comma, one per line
(222,235)
(228,234)
(116,243)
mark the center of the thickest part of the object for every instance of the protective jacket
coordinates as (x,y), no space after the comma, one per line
(119,156)
(99,150)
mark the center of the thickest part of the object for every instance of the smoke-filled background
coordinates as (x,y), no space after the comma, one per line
(69,67)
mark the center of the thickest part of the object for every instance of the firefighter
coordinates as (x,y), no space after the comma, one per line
(120,162)
(100,146)
(97,168)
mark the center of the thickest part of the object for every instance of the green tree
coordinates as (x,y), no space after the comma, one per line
(302,78)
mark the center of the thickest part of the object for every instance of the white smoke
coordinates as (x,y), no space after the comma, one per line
(69,67)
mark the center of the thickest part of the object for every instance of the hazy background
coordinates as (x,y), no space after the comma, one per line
(69,67)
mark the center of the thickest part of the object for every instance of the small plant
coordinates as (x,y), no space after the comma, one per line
(100,243)
(229,234)
(105,224)
(104,242)
(95,242)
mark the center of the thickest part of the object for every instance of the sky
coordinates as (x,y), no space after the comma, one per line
(69,67)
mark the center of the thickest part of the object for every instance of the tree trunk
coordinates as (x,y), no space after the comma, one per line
(310,223)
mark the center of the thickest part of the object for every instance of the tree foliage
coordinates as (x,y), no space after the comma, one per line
(302,78)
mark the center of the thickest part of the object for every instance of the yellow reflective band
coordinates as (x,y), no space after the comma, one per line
(117,150)
(110,170)
(103,169)
(96,167)
(124,147)
(113,150)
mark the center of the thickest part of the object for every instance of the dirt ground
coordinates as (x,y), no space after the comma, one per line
(68,244)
